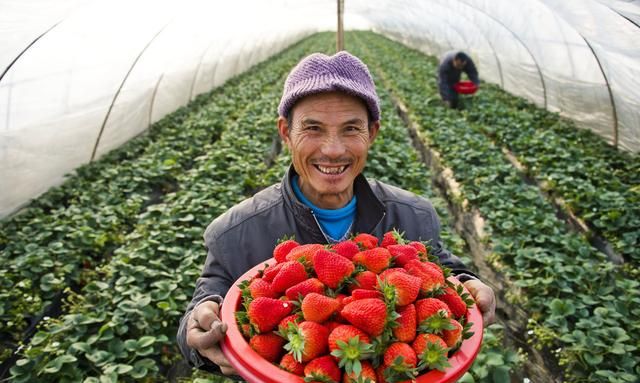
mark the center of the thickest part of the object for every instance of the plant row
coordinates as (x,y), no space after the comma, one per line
(121,326)
(580,305)
(63,236)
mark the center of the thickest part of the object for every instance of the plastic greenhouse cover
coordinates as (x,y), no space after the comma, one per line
(82,77)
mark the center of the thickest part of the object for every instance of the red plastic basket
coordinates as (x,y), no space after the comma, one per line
(255,369)
(465,87)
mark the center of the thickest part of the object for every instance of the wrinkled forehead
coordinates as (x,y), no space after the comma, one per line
(330,105)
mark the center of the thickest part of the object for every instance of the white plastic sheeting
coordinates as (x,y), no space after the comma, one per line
(81,77)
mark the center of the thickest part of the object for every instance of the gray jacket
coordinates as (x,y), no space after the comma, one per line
(246,234)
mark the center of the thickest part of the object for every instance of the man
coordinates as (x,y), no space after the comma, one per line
(451,67)
(329,117)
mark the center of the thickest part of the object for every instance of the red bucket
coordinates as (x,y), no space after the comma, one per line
(465,87)
(255,369)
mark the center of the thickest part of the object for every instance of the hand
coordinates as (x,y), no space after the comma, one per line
(485,299)
(204,331)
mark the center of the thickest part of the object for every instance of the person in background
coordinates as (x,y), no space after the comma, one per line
(329,116)
(449,71)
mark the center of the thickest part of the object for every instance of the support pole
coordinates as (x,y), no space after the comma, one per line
(340,34)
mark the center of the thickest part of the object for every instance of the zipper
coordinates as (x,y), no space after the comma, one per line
(319,227)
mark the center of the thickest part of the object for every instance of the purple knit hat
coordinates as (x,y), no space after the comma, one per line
(319,73)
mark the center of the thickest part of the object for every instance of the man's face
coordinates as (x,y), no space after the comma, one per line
(328,140)
(458,64)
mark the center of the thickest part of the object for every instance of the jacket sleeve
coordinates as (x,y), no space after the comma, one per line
(212,285)
(472,72)
(446,258)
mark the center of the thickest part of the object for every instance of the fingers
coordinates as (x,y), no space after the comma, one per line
(204,327)
(485,299)
(206,313)
(215,355)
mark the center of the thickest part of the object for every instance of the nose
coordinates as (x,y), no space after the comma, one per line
(333,146)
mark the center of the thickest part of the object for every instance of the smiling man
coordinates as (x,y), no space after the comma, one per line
(329,118)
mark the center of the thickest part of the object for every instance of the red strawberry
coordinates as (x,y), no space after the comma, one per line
(289,363)
(284,323)
(431,275)
(303,288)
(369,315)
(383,275)
(405,331)
(307,341)
(363,294)
(322,369)
(456,304)
(265,313)
(428,307)
(431,351)
(368,374)
(304,253)
(400,353)
(453,337)
(403,254)
(349,345)
(422,249)
(344,333)
(366,241)
(291,273)
(364,280)
(318,308)
(268,346)
(346,248)
(374,260)
(281,251)
(332,269)
(346,301)
(331,325)
(407,287)
(261,288)
(391,238)
(271,272)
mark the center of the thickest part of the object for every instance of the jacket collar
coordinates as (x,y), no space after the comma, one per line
(369,209)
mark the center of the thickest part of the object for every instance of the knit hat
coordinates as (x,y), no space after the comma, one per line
(319,73)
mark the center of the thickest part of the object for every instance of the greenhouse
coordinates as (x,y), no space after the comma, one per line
(127,127)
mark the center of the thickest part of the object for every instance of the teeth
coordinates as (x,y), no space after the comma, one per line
(332,170)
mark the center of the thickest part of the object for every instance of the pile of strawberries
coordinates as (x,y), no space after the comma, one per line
(355,311)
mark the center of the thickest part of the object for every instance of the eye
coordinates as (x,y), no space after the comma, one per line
(311,128)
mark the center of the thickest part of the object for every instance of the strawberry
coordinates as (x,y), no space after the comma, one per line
(432,315)
(368,374)
(318,308)
(453,336)
(331,268)
(261,288)
(281,251)
(363,294)
(322,369)
(391,238)
(304,253)
(289,363)
(346,248)
(407,287)
(422,249)
(291,273)
(374,260)
(369,315)
(405,331)
(383,275)
(456,304)
(431,351)
(265,313)
(428,307)
(346,301)
(364,280)
(430,273)
(403,254)
(366,241)
(271,272)
(303,288)
(349,345)
(331,325)
(307,340)
(268,346)
(284,323)
(400,353)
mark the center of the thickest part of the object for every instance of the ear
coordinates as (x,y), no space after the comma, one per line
(373,132)
(283,129)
